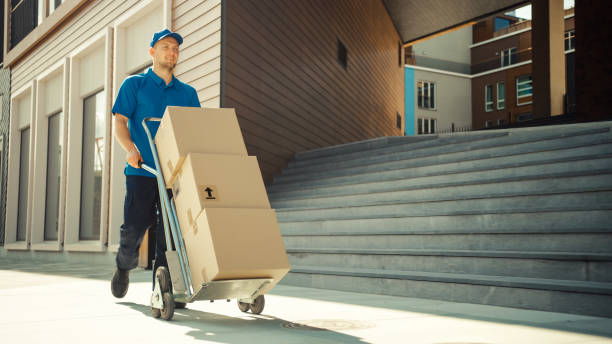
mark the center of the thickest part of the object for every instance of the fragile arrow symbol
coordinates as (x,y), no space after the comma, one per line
(209,192)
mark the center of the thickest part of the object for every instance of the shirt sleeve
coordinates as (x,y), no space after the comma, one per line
(126,101)
(195,100)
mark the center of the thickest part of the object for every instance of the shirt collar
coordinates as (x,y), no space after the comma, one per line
(159,81)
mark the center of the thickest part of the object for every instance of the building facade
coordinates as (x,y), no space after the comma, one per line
(342,82)
(438,84)
(502,91)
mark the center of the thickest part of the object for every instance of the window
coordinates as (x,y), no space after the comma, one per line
(509,57)
(488,98)
(86,228)
(24,18)
(92,166)
(54,166)
(523,90)
(342,55)
(501,96)
(426,95)
(488,124)
(1,164)
(427,126)
(22,127)
(54,4)
(501,23)
(524,117)
(501,122)
(24,172)
(570,40)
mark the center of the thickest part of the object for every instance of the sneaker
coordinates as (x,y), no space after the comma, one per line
(120,283)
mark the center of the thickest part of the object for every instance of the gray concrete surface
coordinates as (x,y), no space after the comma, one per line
(72,303)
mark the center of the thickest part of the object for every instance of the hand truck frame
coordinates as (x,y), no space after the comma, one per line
(174,285)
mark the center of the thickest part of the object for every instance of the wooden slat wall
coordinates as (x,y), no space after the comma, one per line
(90,20)
(290,93)
(199,22)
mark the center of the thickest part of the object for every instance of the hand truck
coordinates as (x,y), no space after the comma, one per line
(174,285)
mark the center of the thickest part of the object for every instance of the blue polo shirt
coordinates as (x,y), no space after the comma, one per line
(147,95)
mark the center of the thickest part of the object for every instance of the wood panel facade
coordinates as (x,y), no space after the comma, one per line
(281,73)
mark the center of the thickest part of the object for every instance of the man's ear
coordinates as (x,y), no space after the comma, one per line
(151,52)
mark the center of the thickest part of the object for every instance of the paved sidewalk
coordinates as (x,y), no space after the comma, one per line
(67,303)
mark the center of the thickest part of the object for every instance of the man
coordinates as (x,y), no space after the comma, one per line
(140,96)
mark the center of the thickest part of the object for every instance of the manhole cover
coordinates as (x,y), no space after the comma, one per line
(327,324)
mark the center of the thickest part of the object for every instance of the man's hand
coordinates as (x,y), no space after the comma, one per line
(134,158)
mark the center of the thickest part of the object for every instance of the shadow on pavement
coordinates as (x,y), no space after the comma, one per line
(248,328)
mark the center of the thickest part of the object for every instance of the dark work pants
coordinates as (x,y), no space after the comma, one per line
(141,210)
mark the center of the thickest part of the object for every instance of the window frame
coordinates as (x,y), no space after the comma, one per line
(42,115)
(486,100)
(569,37)
(72,242)
(427,122)
(502,100)
(509,53)
(421,97)
(519,97)
(14,164)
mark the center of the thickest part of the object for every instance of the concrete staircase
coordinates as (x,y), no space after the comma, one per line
(519,217)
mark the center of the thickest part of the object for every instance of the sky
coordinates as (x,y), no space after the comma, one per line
(525,11)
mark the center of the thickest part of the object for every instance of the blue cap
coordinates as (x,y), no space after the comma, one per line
(166,33)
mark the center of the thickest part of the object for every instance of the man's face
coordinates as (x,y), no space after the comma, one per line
(165,52)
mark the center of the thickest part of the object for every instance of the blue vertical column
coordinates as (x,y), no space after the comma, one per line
(409,100)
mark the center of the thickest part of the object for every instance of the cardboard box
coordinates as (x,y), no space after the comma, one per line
(234,243)
(217,181)
(186,130)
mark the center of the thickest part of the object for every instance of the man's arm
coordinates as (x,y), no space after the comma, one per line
(122,133)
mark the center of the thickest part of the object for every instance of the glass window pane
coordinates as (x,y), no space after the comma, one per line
(426,130)
(420,93)
(420,125)
(431,97)
(433,126)
(426,94)
(92,166)
(54,163)
(24,169)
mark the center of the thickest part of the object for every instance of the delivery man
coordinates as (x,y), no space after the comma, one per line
(140,96)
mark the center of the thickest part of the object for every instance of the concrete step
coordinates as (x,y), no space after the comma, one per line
(523,242)
(354,150)
(541,186)
(471,150)
(590,298)
(566,221)
(363,146)
(455,162)
(581,266)
(413,178)
(383,144)
(599,200)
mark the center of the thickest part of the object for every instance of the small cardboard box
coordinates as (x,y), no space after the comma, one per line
(217,181)
(196,130)
(235,243)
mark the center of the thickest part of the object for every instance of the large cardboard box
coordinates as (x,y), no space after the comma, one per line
(234,243)
(186,130)
(217,181)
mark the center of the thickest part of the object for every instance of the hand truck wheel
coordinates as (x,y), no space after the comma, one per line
(243,306)
(163,276)
(258,305)
(168,311)
(155,312)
